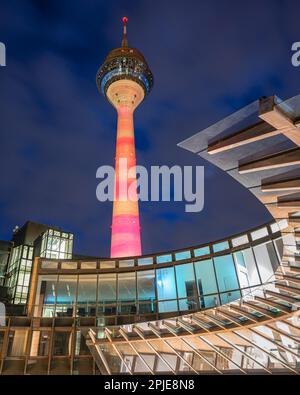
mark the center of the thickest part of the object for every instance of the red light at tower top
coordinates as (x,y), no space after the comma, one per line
(125,20)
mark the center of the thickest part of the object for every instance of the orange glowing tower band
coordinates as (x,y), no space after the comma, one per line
(125,79)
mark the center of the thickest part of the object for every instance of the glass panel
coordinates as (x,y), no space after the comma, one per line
(186,284)
(211,301)
(238,241)
(49,265)
(87,289)
(202,251)
(40,344)
(221,246)
(126,287)
(166,288)
(265,257)
(46,293)
(188,304)
(145,261)
(66,290)
(246,268)
(88,265)
(226,274)
(166,307)
(62,343)
(69,265)
(259,234)
(275,228)
(230,297)
(107,288)
(107,264)
(17,342)
(180,256)
(126,263)
(164,258)
(146,285)
(206,279)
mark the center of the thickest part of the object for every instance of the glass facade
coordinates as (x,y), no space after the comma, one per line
(199,283)
(56,245)
(19,273)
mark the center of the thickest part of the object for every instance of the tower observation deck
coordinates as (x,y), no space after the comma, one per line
(125,79)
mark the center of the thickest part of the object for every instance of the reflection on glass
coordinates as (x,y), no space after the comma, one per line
(165,281)
(266,260)
(221,246)
(246,268)
(17,341)
(87,288)
(230,297)
(127,286)
(145,261)
(107,288)
(207,302)
(201,251)
(226,274)
(146,285)
(186,285)
(180,256)
(66,290)
(164,258)
(205,276)
(62,344)
(167,307)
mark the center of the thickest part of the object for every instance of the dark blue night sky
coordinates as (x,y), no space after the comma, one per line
(209,58)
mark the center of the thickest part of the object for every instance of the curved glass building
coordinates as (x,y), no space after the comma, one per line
(227,307)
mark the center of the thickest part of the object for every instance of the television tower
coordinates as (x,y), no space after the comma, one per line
(125,79)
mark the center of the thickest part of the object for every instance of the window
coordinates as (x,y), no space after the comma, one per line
(146,285)
(107,264)
(40,344)
(107,291)
(62,344)
(167,307)
(246,268)
(186,285)
(165,281)
(259,234)
(221,246)
(266,260)
(66,290)
(238,241)
(87,289)
(126,263)
(205,277)
(164,258)
(230,297)
(126,287)
(145,261)
(202,251)
(17,342)
(46,290)
(180,256)
(226,274)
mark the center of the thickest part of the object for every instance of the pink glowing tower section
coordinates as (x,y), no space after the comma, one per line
(125,79)
(126,237)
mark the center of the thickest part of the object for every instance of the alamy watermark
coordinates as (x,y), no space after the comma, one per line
(178,184)
(296,55)
(2,55)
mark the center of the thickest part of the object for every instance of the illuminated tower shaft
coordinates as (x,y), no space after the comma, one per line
(125,95)
(125,79)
